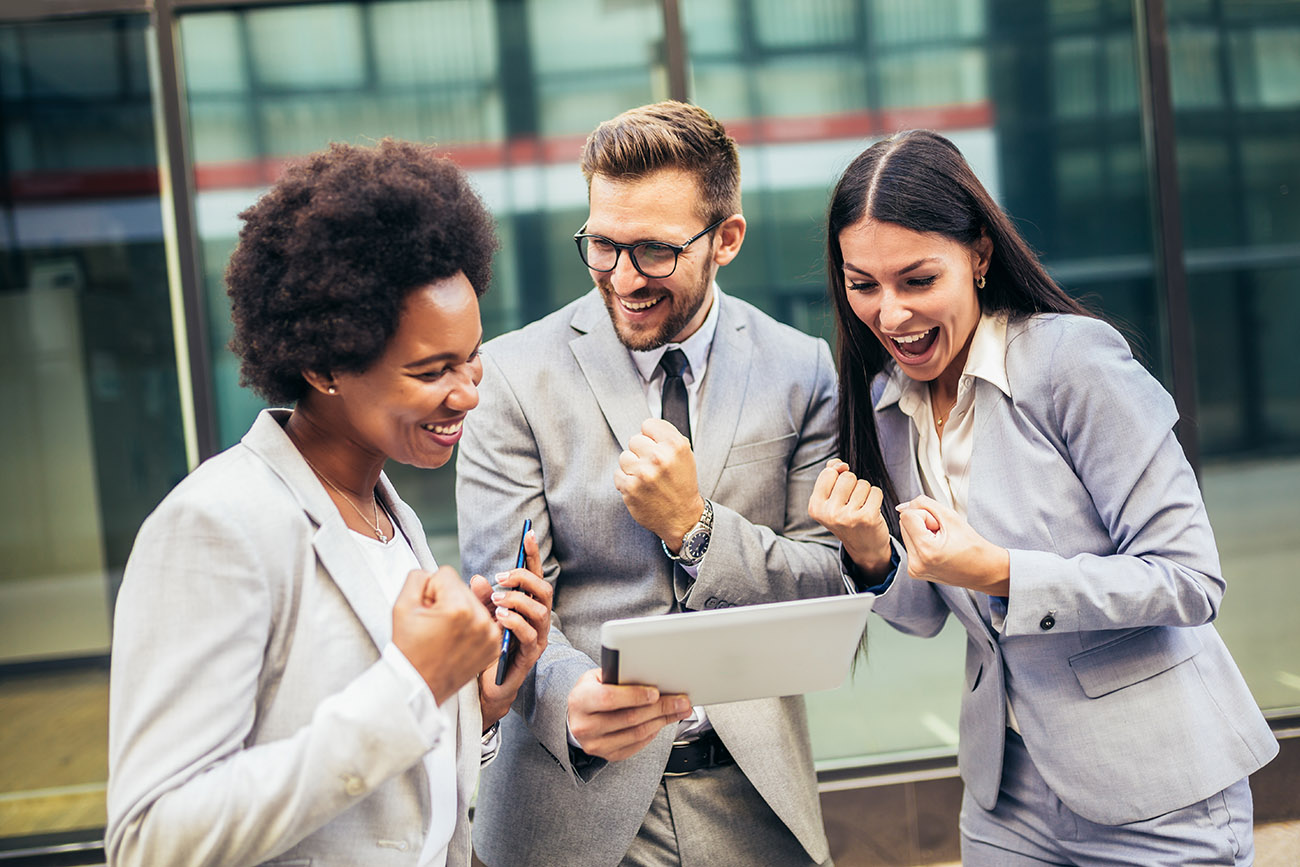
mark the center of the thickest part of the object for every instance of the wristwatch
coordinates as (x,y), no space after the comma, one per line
(490,733)
(696,540)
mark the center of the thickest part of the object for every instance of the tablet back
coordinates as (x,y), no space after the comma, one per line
(735,654)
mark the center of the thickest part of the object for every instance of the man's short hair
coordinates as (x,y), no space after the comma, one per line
(669,135)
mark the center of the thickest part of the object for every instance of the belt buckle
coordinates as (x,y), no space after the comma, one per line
(681,773)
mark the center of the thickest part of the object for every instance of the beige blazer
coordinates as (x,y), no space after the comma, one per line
(251,719)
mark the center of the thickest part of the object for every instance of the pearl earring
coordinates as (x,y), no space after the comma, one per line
(332,390)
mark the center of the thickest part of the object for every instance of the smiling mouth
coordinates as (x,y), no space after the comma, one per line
(444,429)
(638,306)
(915,345)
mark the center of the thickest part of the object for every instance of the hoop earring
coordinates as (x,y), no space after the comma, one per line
(979,282)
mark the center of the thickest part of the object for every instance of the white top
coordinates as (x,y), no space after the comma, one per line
(944,459)
(390,562)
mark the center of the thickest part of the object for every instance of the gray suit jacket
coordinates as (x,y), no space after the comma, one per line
(250,716)
(559,400)
(1126,697)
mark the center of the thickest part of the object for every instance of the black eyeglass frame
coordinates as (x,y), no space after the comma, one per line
(677,249)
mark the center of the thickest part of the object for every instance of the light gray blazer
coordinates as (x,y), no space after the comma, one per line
(250,717)
(559,400)
(1126,697)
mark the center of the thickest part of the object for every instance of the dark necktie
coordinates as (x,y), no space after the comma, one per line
(676,410)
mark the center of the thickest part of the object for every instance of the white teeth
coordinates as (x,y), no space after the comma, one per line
(444,429)
(633,305)
(912,338)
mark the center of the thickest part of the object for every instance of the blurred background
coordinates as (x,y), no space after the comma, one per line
(1148,149)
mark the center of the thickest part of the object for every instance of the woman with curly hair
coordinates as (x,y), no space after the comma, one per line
(293,678)
(1008,462)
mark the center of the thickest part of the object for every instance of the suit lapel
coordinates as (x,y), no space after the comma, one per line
(608,369)
(342,560)
(338,554)
(894,426)
(987,397)
(722,395)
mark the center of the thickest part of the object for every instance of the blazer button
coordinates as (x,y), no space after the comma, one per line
(353,785)
(1047,622)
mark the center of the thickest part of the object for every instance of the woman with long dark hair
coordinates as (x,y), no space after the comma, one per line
(1007,461)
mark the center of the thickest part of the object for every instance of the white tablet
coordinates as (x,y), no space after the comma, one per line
(735,654)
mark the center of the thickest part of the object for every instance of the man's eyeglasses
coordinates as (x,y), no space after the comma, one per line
(654,259)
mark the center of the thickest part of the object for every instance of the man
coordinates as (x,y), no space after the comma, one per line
(580,429)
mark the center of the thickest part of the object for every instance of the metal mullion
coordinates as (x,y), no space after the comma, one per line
(1159,137)
(14,11)
(674,50)
(227,5)
(202,440)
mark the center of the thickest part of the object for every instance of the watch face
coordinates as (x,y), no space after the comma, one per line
(695,545)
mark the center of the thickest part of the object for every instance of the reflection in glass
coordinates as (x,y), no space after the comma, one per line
(510,89)
(91,438)
(1239,172)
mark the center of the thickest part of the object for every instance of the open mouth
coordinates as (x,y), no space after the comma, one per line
(445,430)
(916,345)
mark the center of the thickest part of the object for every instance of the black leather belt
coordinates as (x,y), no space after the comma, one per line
(706,751)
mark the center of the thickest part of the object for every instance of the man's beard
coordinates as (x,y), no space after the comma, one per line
(684,309)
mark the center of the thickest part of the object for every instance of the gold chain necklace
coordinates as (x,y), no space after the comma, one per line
(374,503)
(939,421)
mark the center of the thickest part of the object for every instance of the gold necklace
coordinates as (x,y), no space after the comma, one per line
(939,420)
(374,503)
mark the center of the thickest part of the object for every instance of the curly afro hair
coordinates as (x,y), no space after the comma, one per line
(327,257)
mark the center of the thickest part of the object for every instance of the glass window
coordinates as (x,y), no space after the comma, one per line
(591,60)
(812,23)
(1239,173)
(92,436)
(292,49)
(510,89)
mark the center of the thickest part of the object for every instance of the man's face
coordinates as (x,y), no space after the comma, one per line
(663,206)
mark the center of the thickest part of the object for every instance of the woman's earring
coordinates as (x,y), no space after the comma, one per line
(332,390)
(979,282)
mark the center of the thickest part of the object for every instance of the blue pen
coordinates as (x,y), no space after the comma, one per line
(507,637)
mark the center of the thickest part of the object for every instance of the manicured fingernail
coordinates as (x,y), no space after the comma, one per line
(498,595)
(502,612)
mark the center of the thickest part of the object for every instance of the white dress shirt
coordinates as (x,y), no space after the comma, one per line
(944,458)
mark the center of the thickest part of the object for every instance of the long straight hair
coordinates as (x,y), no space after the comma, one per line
(920,181)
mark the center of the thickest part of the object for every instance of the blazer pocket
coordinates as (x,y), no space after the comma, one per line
(1133,658)
(751,453)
